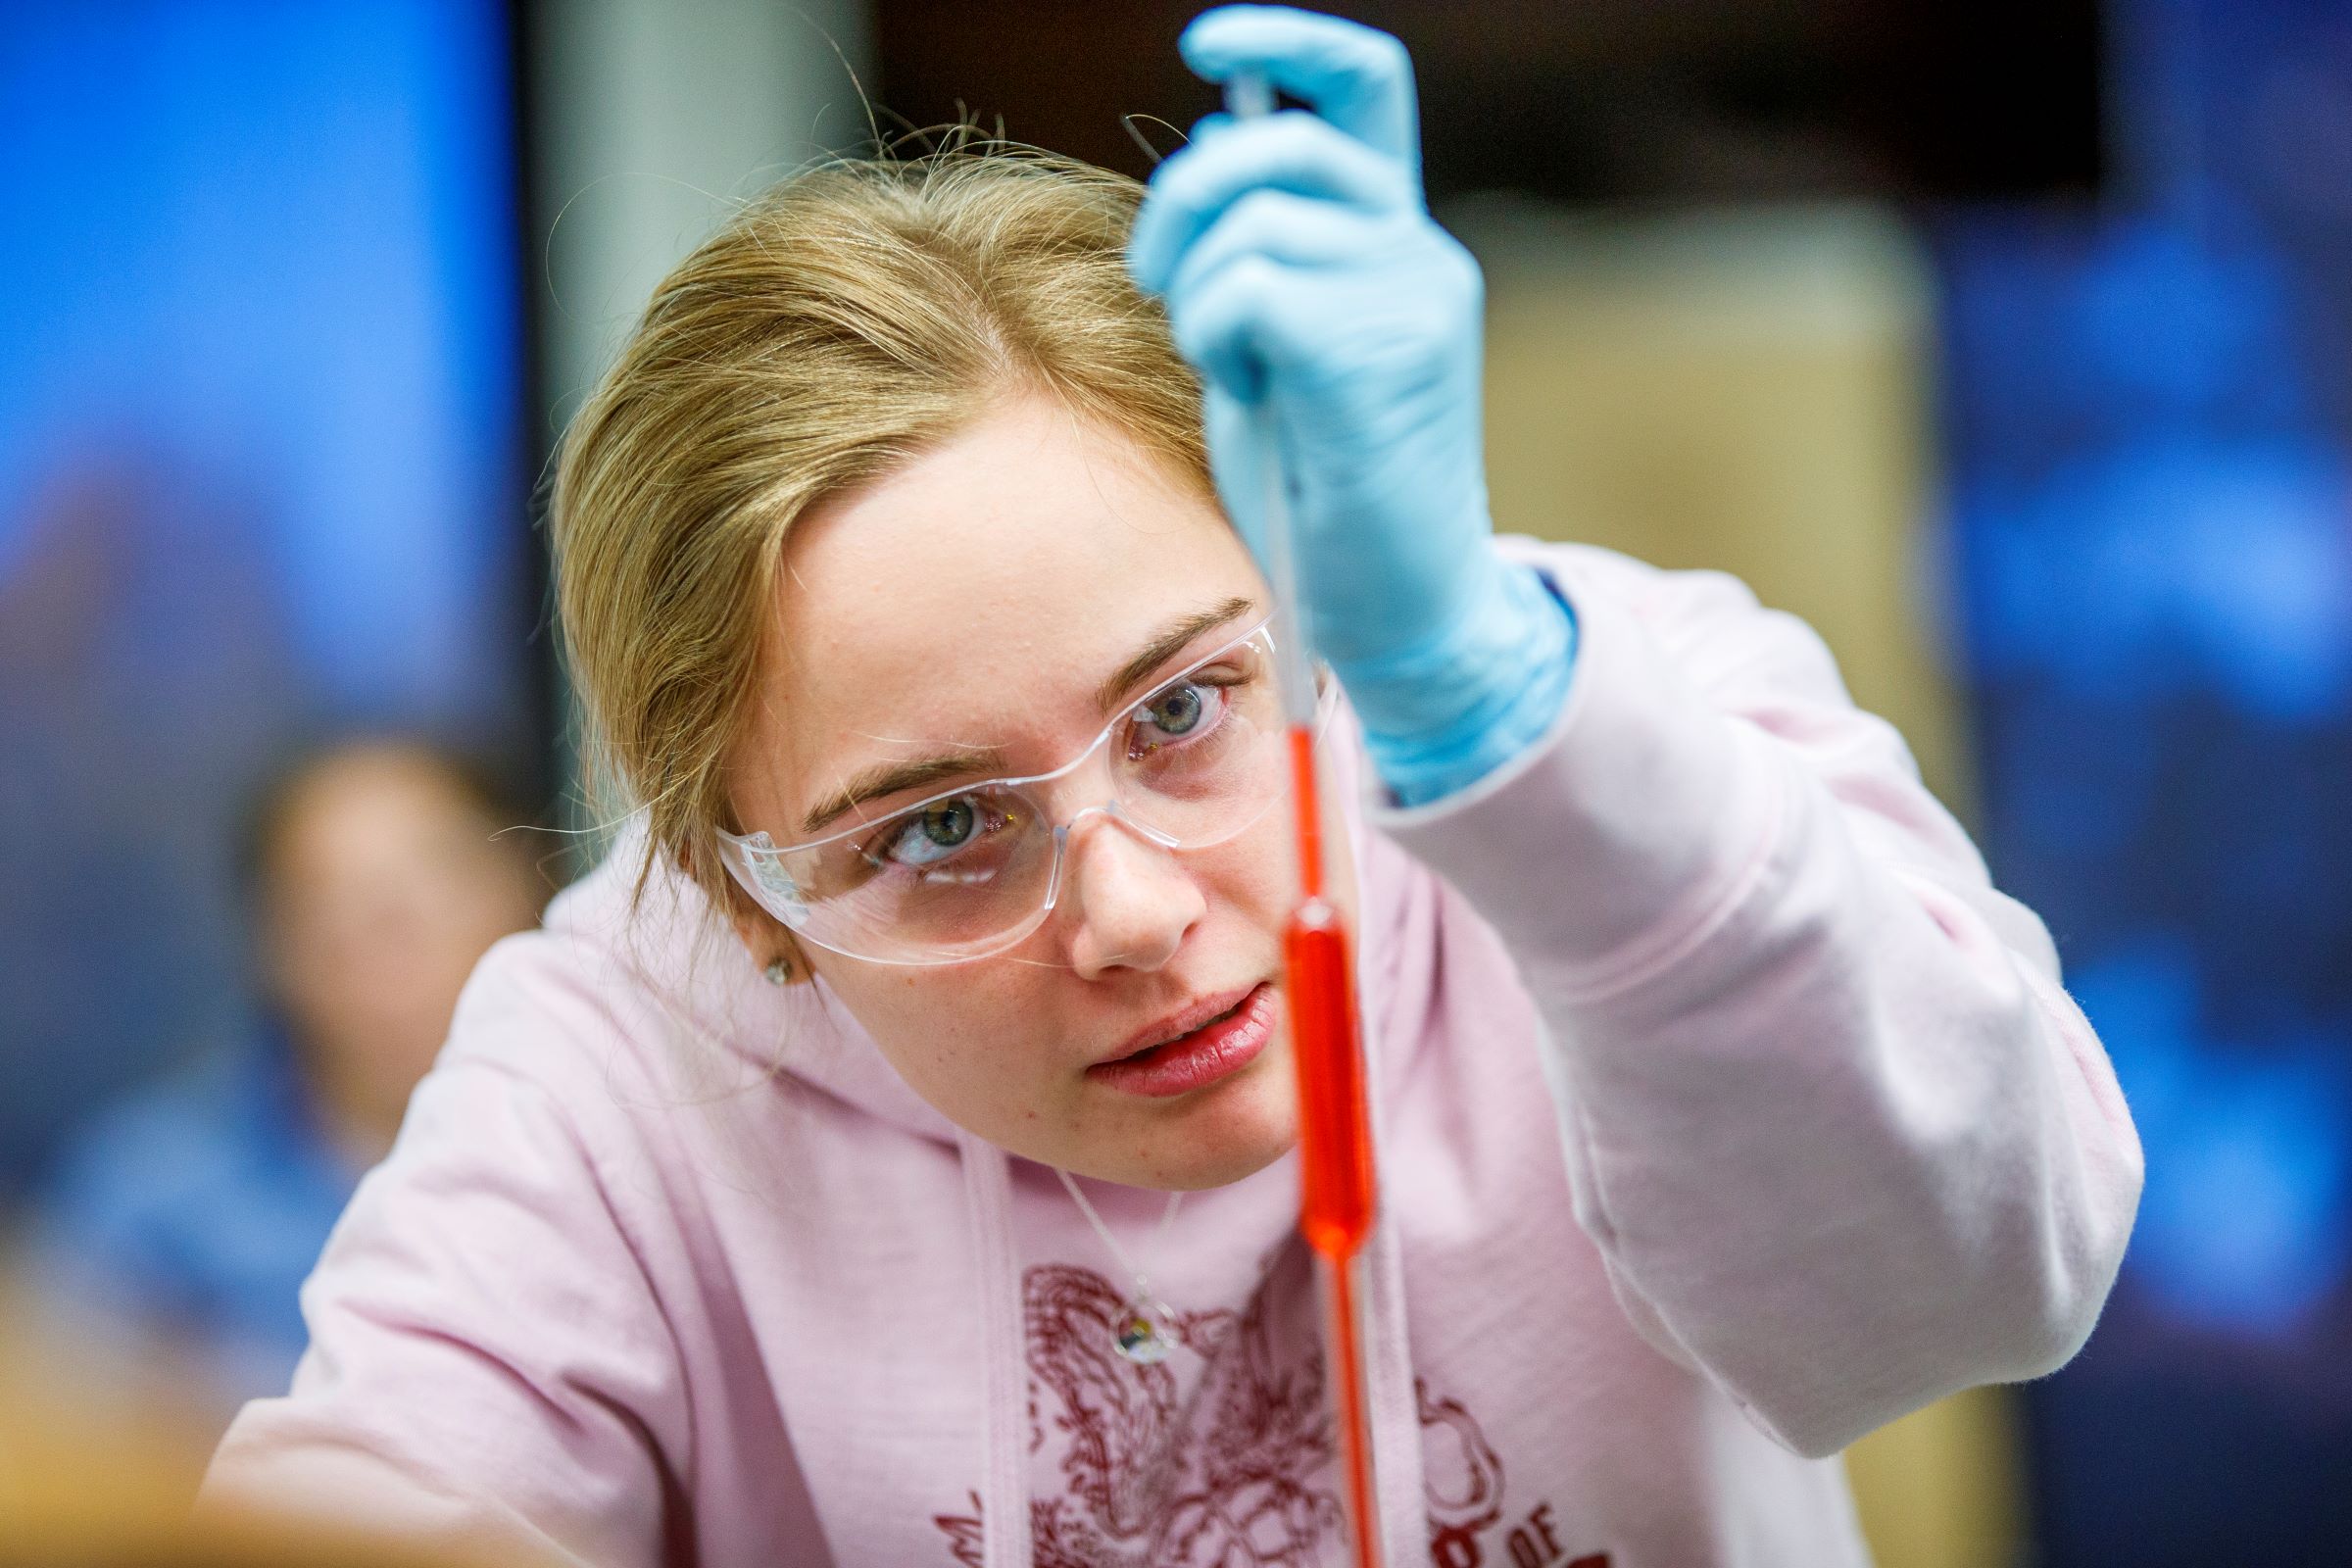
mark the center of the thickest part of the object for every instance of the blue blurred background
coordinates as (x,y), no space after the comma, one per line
(262,475)
(2010,348)
(2147,409)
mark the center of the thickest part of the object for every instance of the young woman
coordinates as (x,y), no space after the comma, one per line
(886,1158)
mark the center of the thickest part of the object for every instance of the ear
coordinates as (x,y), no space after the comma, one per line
(769,941)
(764,938)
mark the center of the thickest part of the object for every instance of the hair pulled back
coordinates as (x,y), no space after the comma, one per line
(855,316)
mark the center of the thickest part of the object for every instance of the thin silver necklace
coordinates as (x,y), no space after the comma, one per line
(1146,1329)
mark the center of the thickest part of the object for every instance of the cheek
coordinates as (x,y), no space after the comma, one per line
(1252,881)
(963,1037)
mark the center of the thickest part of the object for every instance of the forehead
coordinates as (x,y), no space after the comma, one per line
(980,595)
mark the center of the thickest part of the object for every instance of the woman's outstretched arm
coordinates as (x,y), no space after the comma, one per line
(1844,1140)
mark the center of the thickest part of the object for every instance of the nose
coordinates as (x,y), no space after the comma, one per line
(1128,903)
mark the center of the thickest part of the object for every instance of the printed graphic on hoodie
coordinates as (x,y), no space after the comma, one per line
(1226,1462)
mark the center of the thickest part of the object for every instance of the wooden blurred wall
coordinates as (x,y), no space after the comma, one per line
(1749,391)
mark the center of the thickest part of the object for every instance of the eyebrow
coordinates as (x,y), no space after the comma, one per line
(895,778)
(1167,645)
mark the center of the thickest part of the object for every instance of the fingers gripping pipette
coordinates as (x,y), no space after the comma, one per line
(1336,1200)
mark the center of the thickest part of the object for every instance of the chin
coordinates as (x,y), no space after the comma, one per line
(1234,1132)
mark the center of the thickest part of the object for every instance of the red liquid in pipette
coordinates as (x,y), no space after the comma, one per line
(1335,1136)
(1335,1131)
(1337,1202)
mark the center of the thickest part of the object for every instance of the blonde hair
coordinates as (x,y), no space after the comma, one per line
(852,318)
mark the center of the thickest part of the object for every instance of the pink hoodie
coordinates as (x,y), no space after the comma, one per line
(670,1267)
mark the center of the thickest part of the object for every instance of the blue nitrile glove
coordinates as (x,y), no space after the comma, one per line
(1300,263)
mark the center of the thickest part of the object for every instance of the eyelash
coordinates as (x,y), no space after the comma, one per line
(1208,680)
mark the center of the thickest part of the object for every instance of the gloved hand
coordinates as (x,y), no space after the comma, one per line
(1300,263)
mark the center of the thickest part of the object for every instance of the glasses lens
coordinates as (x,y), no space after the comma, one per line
(949,877)
(1194,764)
(1201,758)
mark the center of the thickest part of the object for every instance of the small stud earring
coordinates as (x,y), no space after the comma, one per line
(779,973)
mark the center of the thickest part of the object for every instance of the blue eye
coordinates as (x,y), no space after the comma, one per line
(1176,712)
(935,832)
(1184,711)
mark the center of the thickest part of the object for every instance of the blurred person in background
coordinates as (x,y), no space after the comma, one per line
(180,1226)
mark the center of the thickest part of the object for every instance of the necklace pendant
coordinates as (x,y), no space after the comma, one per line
(1143,1334)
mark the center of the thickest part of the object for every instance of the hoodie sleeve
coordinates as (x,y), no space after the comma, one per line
(1841,1137)
(488,1364)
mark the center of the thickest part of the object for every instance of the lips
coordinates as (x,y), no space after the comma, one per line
(1180,1022)
(1211,1040)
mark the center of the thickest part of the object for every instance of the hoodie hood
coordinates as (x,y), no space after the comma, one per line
(678,953)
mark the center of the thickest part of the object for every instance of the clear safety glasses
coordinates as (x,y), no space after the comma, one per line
(972,870)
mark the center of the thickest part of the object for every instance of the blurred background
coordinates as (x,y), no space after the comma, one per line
(2006,343)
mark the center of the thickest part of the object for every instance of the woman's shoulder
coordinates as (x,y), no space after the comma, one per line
(1656,593)
(1709,623)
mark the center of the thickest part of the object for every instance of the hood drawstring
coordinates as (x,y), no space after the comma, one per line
(1391,1394)
(1394,1404)
(1005,1500)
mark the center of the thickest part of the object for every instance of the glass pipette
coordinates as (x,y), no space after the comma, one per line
(1337,1202)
